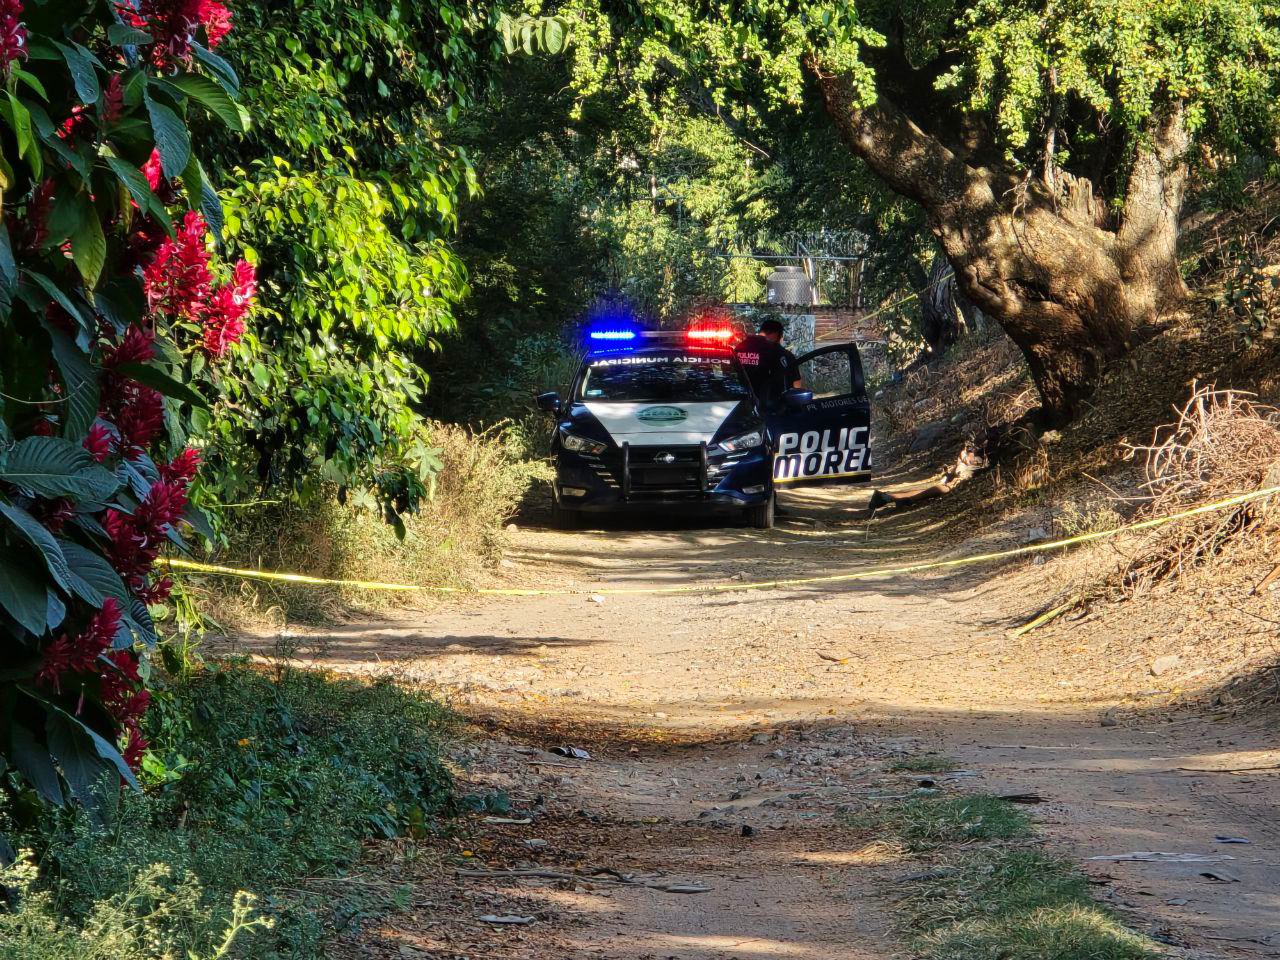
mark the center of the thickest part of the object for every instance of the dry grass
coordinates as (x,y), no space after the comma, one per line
(1224,443)
(454,539)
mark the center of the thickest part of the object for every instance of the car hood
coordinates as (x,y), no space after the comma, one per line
(653,424)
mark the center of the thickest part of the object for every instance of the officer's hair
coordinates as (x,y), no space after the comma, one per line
(772,326)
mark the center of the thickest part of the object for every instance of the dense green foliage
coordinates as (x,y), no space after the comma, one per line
(110,303)
(594,195)
(254,783)
(344,191)
(1095,66)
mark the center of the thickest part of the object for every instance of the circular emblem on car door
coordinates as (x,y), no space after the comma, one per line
(661,415)
(666,456)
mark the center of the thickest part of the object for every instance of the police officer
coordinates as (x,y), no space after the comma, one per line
(770,367)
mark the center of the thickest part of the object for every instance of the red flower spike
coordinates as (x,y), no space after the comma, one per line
(75,125)
(138,346)
(224,324)
(13,34)
(79,654)
(182,468)
(178,279)
(113,100)
(136,540)
(134,748)
(98,442)
(174,23)
(54,514)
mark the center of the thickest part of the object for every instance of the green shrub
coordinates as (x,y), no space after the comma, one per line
(451,539)
(256,781)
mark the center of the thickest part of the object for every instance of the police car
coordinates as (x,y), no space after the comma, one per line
(666,420)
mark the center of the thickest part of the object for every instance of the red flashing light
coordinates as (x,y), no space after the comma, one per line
(712,334)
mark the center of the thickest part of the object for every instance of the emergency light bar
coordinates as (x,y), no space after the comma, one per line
(709,334)
(612,335)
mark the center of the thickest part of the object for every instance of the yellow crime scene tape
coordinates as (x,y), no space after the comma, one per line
(302,579)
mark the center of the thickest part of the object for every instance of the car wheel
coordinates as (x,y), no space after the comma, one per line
(761,516)
(563,518)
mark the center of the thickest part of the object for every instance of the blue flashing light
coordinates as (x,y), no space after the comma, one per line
(612,335)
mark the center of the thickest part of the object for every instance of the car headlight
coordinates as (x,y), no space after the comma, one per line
(579,444)
(743,441)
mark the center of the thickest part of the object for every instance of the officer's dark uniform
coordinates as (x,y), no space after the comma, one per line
(770,367)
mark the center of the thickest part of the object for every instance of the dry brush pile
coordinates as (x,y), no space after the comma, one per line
(1224,443)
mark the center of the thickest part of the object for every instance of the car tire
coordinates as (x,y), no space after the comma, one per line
(762,515)
(564,519)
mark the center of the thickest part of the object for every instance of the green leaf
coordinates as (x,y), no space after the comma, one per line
(554,35)
(211,206)
(20,120)
(80,62)
(199,521)
(55,609)
(60,298)
(100,746)
(8,266)
(95,570)
(82,766)
(122,35)
(135,182)
(34,532)
(222,71)
(157,379)
(89,248)
(32,81)
(78,378)
(171,136)
(34,763)
(209,95)
(22,595)
(56,467)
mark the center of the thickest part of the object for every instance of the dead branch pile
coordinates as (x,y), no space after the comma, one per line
(1224,443)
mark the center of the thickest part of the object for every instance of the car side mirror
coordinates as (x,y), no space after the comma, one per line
(797,397)
(550,402)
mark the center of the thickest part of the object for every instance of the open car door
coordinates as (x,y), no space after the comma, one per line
(828,439)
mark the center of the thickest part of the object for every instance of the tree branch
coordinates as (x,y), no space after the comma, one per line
(1148,234)
(914,163)
(914,90)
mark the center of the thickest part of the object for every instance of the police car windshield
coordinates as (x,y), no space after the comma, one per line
(667,377)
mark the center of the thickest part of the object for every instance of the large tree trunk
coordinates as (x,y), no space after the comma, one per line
(1034,253)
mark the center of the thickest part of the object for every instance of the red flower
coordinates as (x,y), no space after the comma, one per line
(37,218)
(79,654)
(54,514)
(182,468)
(98,442)
(137,346)
(75,125)
(224,324)
(137,411)
(134,748)
(174,23)
(113,100)
(139,416)
(118,689)
(13,34)
(177,281)
(136,539)
(143,241)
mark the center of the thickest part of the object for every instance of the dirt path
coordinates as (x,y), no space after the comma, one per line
(789,703)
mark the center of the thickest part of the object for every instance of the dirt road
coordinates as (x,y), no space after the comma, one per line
(730,733)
